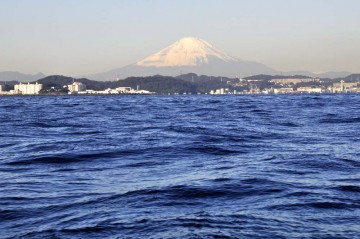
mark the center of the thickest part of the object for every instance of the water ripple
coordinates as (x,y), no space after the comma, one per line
(269,166)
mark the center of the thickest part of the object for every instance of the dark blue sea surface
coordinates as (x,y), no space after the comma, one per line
(255,166)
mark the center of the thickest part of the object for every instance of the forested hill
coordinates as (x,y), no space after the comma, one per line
(158,84)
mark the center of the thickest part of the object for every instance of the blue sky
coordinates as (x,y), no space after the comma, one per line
(88,36)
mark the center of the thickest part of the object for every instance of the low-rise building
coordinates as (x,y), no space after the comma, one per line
(343,86)
(220,91)
(354,89)
(27,89)
(309,90)
(124,89)
(283,90)
(76,87)
(119,90)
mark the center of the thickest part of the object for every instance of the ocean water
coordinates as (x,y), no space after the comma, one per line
(246,166)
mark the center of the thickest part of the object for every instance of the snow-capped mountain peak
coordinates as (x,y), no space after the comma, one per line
(188,55)
(188,51)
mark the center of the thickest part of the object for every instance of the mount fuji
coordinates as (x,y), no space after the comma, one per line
(187,55)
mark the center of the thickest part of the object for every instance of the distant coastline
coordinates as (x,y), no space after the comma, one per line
(187,84)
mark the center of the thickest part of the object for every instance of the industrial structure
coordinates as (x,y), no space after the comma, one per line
(27,89)
(76,87)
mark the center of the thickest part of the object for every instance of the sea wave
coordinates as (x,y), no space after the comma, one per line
(268,166)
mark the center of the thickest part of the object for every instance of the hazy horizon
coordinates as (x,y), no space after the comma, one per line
(84,37)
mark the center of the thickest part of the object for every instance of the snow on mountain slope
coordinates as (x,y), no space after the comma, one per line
(187,55)
(188,51)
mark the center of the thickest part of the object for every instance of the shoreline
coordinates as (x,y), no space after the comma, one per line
(87,95)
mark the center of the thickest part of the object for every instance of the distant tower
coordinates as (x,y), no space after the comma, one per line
(137,87)
(342,85)
(117,77)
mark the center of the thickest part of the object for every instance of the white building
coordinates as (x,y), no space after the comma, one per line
(27,89)
(124,90)
(119,90)
(220,91)
(2,88)
(309,90)
(283,90)
(343,86)
(76,87)
(111,91)
(144,92)
(354,90)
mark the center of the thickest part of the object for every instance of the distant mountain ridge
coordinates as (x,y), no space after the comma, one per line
(195,55)
(328,74)
(17,76)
